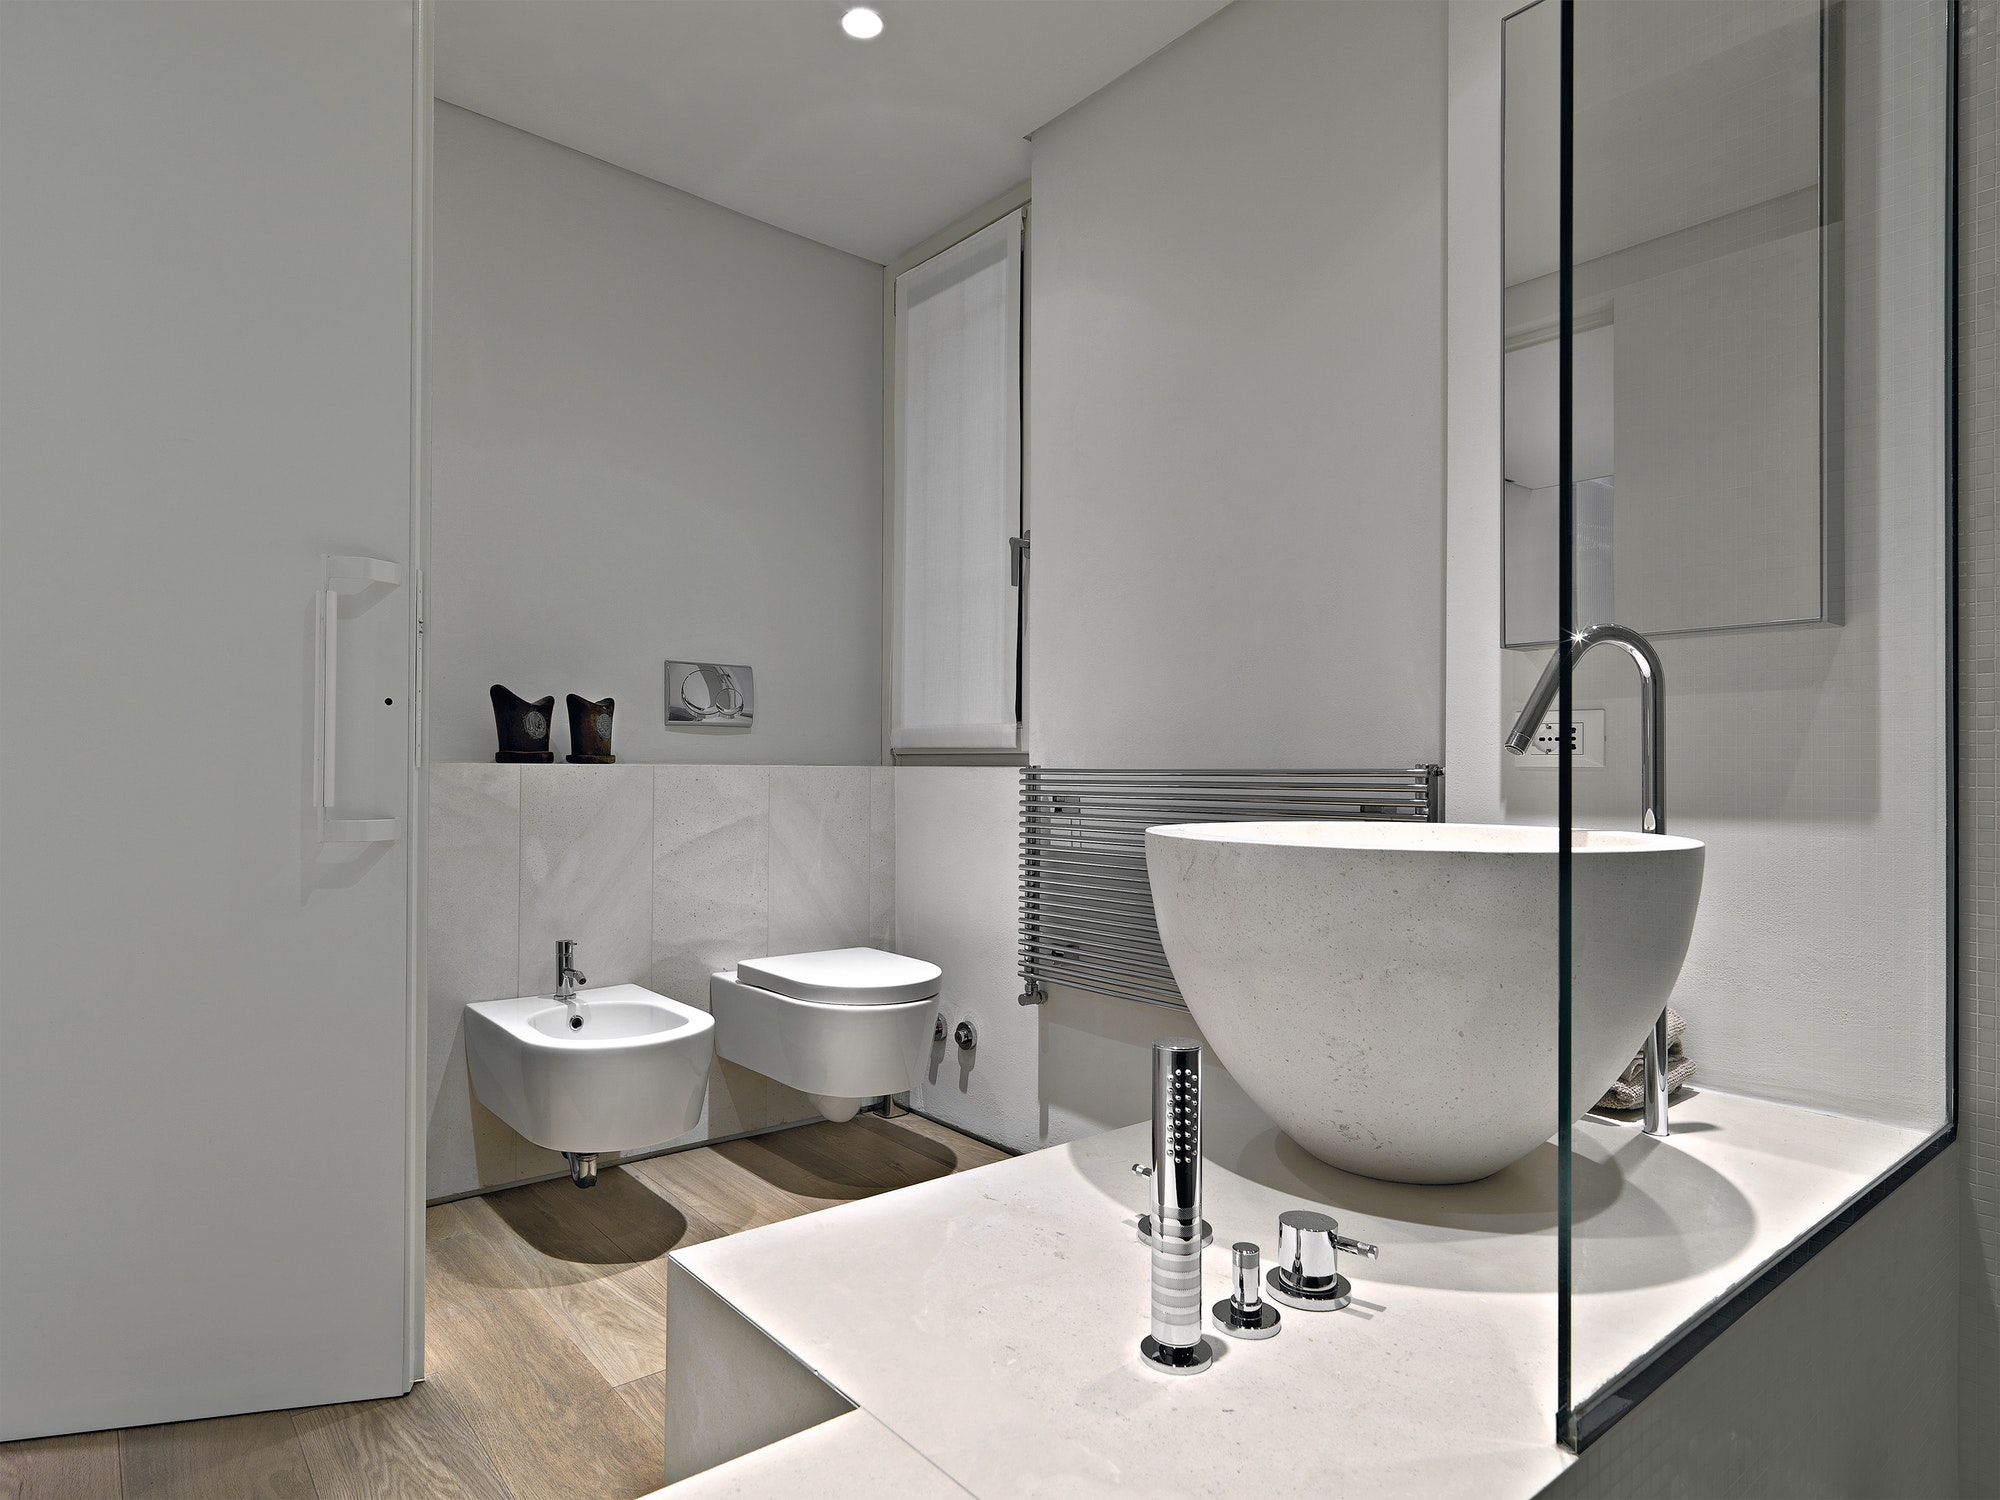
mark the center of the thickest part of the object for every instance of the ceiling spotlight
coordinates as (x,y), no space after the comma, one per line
(861,23)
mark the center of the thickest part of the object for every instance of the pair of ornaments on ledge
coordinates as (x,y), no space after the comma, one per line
(524,729)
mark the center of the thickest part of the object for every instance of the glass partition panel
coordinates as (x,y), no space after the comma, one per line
(1754,822)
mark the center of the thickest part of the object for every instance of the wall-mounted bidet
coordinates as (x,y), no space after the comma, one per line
(615,1070)
(842,1026)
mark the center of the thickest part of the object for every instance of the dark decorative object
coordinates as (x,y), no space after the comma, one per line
(524,728)
(590,731)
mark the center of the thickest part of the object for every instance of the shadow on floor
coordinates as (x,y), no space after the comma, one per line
(904,1139)
(623,1220)
(841,1163)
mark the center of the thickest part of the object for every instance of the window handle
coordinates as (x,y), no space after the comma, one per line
(1017,558)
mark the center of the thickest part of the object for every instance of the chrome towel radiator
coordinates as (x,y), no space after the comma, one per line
(1086,908)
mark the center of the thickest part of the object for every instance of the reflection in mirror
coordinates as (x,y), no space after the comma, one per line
(1704,231)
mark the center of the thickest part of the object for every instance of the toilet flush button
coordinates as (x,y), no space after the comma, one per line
(710,693)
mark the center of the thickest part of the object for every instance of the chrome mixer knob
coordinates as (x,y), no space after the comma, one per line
(1307,1274)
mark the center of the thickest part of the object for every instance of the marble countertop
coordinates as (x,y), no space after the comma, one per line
(990,1321)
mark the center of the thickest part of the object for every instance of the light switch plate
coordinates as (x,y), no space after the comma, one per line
(1586,742)
(710,693)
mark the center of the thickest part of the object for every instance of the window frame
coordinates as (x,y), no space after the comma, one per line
(984,217)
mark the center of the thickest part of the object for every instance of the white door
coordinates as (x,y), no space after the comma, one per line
(207,1203)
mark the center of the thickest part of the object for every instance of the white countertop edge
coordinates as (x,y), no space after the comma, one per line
(849,1457)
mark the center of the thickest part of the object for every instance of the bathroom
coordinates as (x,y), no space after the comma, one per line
(950,433)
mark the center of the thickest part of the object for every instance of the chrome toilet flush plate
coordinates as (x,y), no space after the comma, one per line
(711,693)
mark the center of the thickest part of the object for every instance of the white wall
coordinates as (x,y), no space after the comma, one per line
(1810,760)
(1474,329)
(955,866)
(1236,395)
(657,433)
(662,875)
(1235,487)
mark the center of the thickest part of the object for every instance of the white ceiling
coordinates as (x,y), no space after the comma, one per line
(764,106)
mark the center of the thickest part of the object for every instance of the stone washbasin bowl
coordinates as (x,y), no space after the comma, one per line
(1387,992)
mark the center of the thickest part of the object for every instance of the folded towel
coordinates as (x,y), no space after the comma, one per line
(1629,1092)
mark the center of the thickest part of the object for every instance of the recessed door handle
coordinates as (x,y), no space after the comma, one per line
(338,575)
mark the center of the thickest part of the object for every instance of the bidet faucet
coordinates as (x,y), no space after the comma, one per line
(1652,788)
(567,979)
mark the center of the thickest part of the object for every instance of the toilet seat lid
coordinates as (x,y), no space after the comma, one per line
(851,976)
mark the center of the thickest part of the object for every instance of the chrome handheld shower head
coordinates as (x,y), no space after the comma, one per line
(1175,1342)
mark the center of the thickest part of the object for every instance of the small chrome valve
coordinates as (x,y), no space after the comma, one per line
(1245,1314)
(1307,1275)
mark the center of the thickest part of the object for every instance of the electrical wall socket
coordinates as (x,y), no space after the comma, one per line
(1586,727)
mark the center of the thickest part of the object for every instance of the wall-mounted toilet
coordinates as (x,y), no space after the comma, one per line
(842,1026)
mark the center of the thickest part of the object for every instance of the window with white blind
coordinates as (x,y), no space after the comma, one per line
(955,643)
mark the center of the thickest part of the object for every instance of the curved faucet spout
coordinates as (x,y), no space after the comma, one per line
(1652,712)
(1652,789)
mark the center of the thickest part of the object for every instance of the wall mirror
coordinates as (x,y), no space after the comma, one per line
(1705,358)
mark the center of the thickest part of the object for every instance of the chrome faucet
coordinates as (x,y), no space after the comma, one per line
(1652,788)
(567,979)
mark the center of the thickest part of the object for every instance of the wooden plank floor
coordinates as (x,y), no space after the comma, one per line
(546,1347)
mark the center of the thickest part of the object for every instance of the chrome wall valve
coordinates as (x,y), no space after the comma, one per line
(1245,1314)
(1307,1275)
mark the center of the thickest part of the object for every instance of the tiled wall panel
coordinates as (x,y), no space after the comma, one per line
(819,856)
(586,872)
(711,873)
(473,851)
(662,874)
